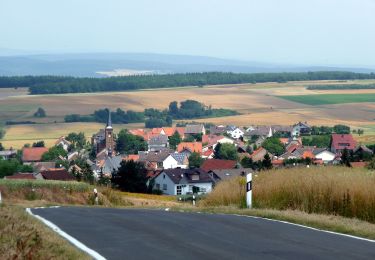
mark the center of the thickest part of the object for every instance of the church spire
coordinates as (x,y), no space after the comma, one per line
(109,121)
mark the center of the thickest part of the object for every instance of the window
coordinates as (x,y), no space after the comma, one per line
(157,186)
(179,189)
(165,187)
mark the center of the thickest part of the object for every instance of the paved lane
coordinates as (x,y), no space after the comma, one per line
(157,234)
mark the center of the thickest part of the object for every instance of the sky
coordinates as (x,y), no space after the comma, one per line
(308,32)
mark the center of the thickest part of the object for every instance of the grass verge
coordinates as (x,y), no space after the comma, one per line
(23,237)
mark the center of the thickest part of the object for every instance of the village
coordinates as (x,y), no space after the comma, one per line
(188,159)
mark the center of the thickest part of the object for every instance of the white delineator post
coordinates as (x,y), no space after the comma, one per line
(249,187)
(0,198)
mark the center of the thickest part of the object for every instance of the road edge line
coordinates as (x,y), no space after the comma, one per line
(68,237)
(307,227)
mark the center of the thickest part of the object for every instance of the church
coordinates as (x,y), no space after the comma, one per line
(103,142)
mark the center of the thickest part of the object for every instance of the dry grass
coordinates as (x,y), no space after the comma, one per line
(324,190)
(23,237)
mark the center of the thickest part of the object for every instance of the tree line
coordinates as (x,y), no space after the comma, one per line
(152,117)
(58,85)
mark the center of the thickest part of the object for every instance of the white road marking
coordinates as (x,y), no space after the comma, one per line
(299,225)
(71,239)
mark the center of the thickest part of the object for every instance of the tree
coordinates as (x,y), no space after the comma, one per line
(247,162)
(39,144)
(195,160)
(9,167)
(320,141)
(371,164)
(2,132)
(175,140)
(173,108)
(345,158)
(40,113)
(266,162)
(131,177)
(360,132)
(273,145)
(130,144)
(54,153)
(78,140)
(226,152)
(341,129)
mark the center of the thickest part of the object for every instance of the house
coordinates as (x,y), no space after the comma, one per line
(301,129)
(258,154)
(43,166)
(190,146)
(362,153)
(33,154)
(285,131)
(107,166)
(195,129)
(216,164)
(158,142)
(218,130)
(341,141)
(169,131)
(324,154)
(8,154)
(237,133)
(156,160)
(258,131)
(176,160)
(58,174)
(208,154)
(24,176)
(183,181)
(225,174)
(104,139)
(210,141)
(63,143)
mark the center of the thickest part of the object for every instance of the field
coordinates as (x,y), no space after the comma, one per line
(327,99)
(18,135)
(261,103)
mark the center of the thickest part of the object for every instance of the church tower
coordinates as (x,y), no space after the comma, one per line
(109,140)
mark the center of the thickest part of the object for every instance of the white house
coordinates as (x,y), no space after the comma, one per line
(63,142)
(236,133)
(325,155)
(176,160)
(183,181)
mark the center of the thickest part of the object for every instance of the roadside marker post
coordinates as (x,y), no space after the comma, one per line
(249,187)
(96,197)
(0,198)
(193,200)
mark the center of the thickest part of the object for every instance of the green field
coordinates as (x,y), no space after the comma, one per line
(327,99)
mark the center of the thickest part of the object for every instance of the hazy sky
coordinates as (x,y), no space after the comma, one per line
(326,32)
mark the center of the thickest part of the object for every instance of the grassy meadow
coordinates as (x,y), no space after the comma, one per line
(331,190)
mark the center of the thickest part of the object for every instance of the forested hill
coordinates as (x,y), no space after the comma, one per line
(59,85)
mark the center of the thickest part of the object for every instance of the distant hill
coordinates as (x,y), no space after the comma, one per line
(13,63)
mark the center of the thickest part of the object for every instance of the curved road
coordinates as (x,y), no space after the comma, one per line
(157,234)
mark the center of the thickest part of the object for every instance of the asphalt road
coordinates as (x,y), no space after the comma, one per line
(157,234)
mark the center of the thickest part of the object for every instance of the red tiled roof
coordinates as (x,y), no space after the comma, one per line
(211,139)
(278,162)
(130,157)
(284,141)
(215,164)
(191,146)
(33,154)
(292,148)
(208,153)
(22,176)
(169,131)
(308,154)
(358,164)
(57,174)
(181,131)
(156,131)
(342,141)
